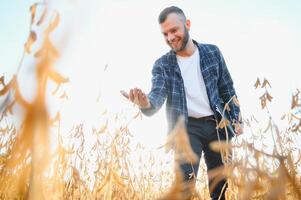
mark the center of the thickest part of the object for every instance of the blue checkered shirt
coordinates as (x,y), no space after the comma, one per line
(167,84)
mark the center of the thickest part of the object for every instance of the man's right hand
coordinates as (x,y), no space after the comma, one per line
(137,97)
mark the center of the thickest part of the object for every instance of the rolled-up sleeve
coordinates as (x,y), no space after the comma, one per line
(158,92)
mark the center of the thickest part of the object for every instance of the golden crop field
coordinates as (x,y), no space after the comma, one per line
(38,162)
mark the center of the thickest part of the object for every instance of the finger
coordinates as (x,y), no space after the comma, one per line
(135,92)
(139,93)
(126,95)
(239,133)
(238,130)
(132,95)
(143,96)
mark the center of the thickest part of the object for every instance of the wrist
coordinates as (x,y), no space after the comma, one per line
(148,105)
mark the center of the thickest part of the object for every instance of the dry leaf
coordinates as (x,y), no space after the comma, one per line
(5,89)
(57,118)
(283,117)
(139,114)
(19,98)
(56,89)
(219,146)
(179,141)
(56,77)
(40,52)
(116,178)
(9,107)
(64,96)
(50,49)
(33,10)
(227,107)
(263,101)
(235,101)
(223,123)
(103,128)
(295,100)
(2,81)
(43,16)
(269,97)
(53,24)
(266,83)
(31,39)
(257,83)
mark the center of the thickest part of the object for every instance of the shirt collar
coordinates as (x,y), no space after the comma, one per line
(173,58)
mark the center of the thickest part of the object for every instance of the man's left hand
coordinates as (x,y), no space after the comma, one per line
(238,128)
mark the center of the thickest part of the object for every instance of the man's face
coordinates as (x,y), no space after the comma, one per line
(175,32)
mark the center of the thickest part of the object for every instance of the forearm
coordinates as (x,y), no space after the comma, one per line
(155,103)
(158,93)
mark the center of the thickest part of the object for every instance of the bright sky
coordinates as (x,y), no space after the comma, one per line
(257,38)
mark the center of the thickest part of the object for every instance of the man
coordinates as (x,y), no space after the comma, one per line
(194,79)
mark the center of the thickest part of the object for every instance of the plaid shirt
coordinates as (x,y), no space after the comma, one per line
(167,83)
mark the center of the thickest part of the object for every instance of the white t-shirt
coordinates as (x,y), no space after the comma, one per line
(195,89)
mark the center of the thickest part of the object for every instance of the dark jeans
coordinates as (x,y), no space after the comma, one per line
(201,133)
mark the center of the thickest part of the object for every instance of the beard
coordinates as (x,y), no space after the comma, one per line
(183,41)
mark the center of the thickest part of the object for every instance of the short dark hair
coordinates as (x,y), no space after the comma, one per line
(172,9)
